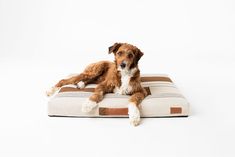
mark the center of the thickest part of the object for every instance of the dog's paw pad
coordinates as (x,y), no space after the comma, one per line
(88,106)
(134,114)
(51,91)
(81,84)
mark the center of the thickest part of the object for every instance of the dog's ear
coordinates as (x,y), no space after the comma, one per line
(114,48)
(138,54)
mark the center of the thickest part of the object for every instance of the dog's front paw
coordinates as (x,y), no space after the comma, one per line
(88,105)
(81,84)
(134,114)
(51,91)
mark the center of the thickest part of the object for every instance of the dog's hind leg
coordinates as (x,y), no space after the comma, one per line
(71,80)
(76,80)
(92,73)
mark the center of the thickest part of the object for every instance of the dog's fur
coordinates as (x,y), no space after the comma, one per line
(121,76)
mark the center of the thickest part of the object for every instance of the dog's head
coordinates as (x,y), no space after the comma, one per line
(126,55)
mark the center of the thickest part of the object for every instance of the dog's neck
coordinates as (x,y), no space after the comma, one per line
(127,72)
(125,77)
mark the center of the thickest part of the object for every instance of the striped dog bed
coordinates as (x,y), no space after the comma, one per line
(163,100)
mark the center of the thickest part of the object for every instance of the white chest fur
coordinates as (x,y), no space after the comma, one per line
(125,87)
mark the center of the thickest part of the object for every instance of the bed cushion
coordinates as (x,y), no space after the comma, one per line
(163,100)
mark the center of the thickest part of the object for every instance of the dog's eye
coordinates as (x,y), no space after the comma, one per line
(130,55)
(119,53)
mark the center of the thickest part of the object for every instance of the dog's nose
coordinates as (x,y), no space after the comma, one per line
(123,65)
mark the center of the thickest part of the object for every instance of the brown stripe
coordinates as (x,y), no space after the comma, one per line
(71,89)
(113,111)
(176,110)
(143,79)
(155,78)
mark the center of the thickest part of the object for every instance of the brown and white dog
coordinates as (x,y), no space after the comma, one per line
(121,76)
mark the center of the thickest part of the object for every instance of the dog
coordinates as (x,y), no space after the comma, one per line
(121,76)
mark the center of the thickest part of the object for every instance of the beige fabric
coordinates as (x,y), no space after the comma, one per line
(165,100)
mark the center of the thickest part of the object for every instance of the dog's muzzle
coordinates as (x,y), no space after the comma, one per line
(123,65)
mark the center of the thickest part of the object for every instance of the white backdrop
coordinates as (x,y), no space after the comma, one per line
(42,41)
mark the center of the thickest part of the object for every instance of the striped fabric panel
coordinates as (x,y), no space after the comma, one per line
(112,95)
(149,82)
(153,81)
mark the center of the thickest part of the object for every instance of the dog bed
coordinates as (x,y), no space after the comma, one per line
(163,100)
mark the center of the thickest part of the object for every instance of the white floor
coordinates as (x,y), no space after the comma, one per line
(27,130)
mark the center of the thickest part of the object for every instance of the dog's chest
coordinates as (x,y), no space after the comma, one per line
(125,87)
